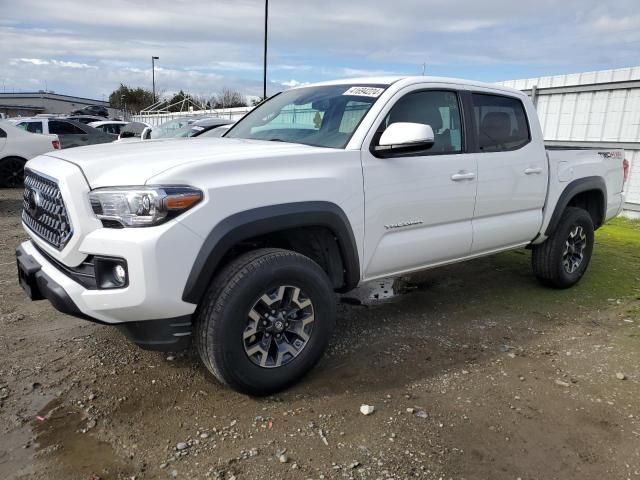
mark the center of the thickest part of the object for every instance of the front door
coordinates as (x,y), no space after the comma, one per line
(419,206)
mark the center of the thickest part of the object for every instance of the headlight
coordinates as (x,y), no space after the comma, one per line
(142,206)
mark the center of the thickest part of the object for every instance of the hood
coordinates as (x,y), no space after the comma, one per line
(120,164)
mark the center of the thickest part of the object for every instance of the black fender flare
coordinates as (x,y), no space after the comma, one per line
(571,190)
(269,219)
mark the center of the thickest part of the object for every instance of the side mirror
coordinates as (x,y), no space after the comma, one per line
(405,137)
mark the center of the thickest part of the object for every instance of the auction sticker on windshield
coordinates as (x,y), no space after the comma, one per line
(364,91)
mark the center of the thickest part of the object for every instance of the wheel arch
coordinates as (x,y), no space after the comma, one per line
(589,193)
(299,219)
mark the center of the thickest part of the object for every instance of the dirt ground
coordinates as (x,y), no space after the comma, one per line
(475,372)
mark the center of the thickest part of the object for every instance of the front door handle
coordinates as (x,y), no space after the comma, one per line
(463,175)
(533,171)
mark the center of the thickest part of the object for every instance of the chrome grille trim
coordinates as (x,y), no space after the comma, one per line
(50,221)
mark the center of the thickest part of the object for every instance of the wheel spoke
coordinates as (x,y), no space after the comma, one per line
(298,327)
(284,348)
(268,300)
(300,303)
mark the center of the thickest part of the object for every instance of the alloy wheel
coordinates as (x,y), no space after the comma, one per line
(573,253)
(279,326)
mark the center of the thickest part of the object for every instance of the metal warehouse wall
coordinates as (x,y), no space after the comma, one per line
(599,109)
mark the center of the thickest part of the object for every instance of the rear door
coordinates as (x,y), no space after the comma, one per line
(512,173)
(69,135)
(419,206)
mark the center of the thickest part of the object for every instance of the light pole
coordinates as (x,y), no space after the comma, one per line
(153,76)
(264,78)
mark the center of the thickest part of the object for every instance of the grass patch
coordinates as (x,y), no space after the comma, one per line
(613,274)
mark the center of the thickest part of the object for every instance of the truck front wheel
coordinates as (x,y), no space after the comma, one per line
(265,321)
(563,258)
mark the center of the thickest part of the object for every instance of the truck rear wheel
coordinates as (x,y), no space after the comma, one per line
(265,321)
(563,258)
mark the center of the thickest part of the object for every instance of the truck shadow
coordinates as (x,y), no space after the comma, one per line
(392,334)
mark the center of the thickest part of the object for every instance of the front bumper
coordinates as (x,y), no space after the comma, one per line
(41,280)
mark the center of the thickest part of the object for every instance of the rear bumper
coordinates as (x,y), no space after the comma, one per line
(161,334)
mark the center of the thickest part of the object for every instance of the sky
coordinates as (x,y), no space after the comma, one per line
(88,47)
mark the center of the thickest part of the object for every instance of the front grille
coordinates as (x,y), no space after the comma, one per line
(44,211)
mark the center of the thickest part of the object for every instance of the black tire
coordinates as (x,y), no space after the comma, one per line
(553,264)
(12,172)
(223,318)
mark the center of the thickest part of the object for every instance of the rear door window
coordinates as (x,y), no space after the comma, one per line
(33,127)
(3,134)
(501,123)
(64,128)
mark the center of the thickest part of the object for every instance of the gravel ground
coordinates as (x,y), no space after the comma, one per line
(474,372)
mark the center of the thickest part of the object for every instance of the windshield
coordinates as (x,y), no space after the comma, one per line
(324,116)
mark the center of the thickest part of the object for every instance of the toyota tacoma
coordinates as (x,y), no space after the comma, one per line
(238,244)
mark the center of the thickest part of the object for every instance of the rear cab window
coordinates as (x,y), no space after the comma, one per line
(501,123)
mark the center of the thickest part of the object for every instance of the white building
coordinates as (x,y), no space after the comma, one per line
(592,109)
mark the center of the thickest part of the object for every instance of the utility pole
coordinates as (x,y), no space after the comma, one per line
(266,21)
(153,76)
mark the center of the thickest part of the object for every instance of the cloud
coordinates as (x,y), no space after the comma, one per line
(293,83)
(607,24)
(32,61)
(89,48)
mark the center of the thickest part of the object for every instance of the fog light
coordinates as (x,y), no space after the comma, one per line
(110,272)
(120,274)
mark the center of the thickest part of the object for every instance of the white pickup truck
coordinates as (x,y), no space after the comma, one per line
(239,243)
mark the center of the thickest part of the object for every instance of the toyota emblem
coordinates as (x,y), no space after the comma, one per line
(33,203)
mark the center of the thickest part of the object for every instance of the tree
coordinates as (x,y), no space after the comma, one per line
(229,98)
(133,99)
(177,99)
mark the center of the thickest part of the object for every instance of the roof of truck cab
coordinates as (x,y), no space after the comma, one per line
(409,80)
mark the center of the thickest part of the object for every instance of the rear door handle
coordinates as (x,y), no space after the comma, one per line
(533,171)
(462,175)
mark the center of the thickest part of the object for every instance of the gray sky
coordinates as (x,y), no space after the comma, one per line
(89,47)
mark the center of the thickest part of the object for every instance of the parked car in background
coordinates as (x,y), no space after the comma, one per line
(200,127)
(112,127)
(92,110)
(71,133)
(134,131)
(174,128)
(216,132)
(86,119)
(18,146)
